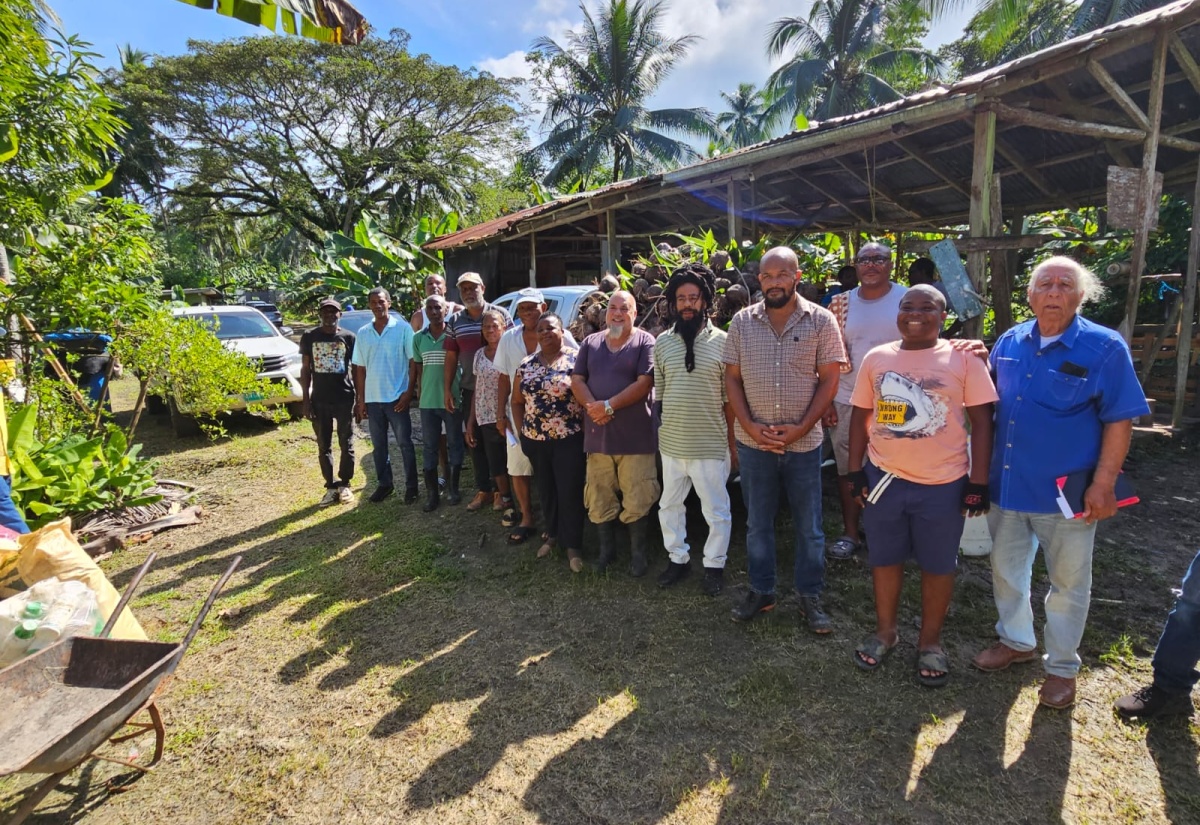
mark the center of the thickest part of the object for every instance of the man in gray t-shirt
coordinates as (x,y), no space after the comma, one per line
(867,317)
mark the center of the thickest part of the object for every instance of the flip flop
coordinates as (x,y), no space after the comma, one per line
(842,549)
(937,661)
(520,535)
(511,517)
(874,647)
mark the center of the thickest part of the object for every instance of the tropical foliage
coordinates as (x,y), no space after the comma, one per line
(314,134)
(748,119)
(837,60)
(598,90)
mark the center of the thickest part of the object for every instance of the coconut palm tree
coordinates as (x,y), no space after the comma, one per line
(838,62)
(597,114)
(749,118)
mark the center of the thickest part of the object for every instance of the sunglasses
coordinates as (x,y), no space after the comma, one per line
(873,259)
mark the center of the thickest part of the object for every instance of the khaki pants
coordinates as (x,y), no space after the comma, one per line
(635,477)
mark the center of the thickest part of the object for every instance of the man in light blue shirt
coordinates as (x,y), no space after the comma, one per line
(381,383)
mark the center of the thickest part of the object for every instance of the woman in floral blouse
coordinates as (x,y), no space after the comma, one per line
(552,436)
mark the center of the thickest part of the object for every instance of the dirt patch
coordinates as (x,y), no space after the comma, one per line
(371,663)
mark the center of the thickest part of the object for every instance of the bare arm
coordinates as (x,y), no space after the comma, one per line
(1099,500)
(634,393)
(981,441)
(305,383)
(360,392)
(503,388)
(451,371)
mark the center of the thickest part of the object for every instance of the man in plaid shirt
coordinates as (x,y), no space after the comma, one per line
(783,357)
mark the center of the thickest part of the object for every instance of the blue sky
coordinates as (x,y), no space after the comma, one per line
(487,34)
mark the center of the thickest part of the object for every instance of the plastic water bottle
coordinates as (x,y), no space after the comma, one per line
(17,642)
(56,618)
(84,620)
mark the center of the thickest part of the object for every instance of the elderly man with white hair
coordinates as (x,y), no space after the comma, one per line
(1068,397)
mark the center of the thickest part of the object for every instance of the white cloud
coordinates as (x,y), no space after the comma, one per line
(511,65)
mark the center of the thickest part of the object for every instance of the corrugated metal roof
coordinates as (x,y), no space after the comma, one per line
(956,99)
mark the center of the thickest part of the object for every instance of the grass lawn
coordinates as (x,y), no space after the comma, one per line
(371,663)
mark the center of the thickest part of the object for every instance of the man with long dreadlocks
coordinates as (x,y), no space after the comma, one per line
(696,437)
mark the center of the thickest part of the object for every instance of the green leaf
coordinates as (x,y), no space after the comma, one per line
(9,143)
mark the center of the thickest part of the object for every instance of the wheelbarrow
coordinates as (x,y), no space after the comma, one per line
(64,702)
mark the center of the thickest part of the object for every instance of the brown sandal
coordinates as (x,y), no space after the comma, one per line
(575,559)
(547,548)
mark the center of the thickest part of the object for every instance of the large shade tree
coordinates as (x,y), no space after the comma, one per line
(597,111)
(838,60)
(316,134)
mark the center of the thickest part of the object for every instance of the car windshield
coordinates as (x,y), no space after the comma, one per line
(235,325)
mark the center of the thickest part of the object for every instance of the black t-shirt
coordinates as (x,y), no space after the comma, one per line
(329,357)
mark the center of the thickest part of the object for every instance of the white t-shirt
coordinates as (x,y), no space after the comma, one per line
(510,352)
(869,324)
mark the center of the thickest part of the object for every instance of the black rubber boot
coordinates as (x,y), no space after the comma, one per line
(453,496)
(608,544)
(431,491)
(637,547)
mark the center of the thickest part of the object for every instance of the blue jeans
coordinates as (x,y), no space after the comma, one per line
(1179,646)
(380,417)
(431,428)
(798,476)
(1067,547)
(10,516)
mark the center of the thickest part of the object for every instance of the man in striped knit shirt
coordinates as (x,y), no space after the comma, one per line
(696,437)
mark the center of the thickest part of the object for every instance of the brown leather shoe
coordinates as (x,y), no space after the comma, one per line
(1000,656)
(1057,692)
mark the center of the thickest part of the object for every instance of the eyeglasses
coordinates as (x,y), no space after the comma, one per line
(873,259)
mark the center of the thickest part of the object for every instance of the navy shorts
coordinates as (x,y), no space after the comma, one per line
(914,521)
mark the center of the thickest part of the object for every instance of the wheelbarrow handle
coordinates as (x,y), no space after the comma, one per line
(208,603)
(127,595)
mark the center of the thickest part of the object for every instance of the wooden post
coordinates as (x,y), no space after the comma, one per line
(732,218)
(1147,213)
(753,210)
(1001,271)
(981,206)
(608,262)
(533,259)
(1183,353)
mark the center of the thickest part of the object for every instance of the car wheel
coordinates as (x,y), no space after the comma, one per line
(295,410)
(155,405)
(184,425)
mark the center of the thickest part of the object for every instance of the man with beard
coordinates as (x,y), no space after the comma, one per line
(696,436)
(613,376)
(464,335)
(782,361)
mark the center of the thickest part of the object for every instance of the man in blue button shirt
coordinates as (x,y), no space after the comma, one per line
(381,356)
(1068,397)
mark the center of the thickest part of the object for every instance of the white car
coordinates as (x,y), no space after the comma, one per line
(563,301)
(248,331)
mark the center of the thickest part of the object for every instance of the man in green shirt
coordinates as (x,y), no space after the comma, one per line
(696,437)
(428,373)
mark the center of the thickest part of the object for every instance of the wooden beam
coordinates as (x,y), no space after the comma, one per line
(1127,104)
(1145,211)
(839,201)
(875,186)
(1001,277)
(982,162)
(920,158)
(1032,175)
(1103,131)
(985,244)
(1185,60)
(1183,353)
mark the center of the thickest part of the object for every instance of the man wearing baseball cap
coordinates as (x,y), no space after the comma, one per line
(327,384)
(464,335)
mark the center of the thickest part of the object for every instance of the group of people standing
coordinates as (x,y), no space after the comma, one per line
(926,432)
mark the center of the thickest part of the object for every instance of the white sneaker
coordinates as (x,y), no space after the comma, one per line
(344,496)
(330,497)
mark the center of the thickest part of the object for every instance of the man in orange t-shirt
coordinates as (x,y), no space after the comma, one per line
(912,401)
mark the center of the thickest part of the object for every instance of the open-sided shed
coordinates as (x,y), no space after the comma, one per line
(1034,134)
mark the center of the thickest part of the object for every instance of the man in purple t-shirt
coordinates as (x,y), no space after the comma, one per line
(613,376)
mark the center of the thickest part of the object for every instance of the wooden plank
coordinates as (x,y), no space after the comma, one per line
(1185,60)
(982,162)
(1127,104)
(1141,235)
(963,295)
(1156,346)
(1001,280)
(1184,360)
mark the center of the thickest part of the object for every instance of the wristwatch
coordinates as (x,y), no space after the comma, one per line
(608,410)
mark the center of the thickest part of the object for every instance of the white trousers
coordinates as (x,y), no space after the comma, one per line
(708,476)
